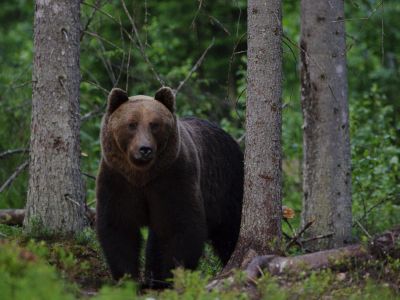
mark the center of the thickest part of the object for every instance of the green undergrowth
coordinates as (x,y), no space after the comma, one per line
(75,269)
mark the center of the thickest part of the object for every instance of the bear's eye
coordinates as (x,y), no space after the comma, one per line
(154,126)
(132,126)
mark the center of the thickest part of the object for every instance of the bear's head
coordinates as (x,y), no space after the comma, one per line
(139,131)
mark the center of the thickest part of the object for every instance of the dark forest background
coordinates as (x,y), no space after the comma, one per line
(174,35)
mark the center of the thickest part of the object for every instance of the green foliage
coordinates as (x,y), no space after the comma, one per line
(31,269)
(216,90)
(125,291)
(376,173)
(23,275)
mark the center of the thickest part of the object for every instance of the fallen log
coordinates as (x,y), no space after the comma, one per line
(277,265)
(12,216)
(16,216)
(382,245)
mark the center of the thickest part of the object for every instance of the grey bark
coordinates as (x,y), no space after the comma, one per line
(326,141)
(262,208)
(56,193)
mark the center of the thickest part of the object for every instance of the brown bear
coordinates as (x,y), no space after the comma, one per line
(181,178)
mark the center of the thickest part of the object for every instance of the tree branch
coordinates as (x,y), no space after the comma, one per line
(9,152)
(195,67)
(140,44)
(14,175)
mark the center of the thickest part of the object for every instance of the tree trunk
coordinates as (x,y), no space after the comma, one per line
(56,193)
(326,141)
(262,210)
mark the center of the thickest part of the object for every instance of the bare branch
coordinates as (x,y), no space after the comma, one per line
(214,19)
(363,229)
(89,175)
(99,37)
(140,44)
(9,152)
(195,67)
(197,13)
(367,212)
(14,175)
(94,113)
(86,27)
(298,235)
(98,86)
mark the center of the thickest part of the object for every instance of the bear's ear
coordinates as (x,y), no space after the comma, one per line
(115,99)
(167,97)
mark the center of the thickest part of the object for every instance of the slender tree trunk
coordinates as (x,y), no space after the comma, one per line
(326,142)
(56,192)
(262,208)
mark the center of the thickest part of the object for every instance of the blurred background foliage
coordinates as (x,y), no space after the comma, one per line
(174,35)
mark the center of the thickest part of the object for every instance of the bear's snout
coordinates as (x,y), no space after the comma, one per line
(146,152)
(142,156)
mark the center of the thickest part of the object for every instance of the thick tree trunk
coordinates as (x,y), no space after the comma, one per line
(56,193)
(262,212)
(326,142)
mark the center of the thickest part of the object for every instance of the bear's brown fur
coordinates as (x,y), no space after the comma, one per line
(181,178)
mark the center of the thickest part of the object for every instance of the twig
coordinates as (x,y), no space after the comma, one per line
(219,24)
(363,229)
(236,105)
(139,42)
(95,112)
(364,18)
(382,35)
(14,175)
(298,235)
(89,175)
(195,67)
(13,151)
(97,85)
(130,37)
(241,138)
(197,13)
(96,35)
(121,66)
(317,237)
(234,53)
(106,62)
(367,212)
(290,226)
(127,67)
(95,9)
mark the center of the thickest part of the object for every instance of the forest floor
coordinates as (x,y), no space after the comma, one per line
(75,269)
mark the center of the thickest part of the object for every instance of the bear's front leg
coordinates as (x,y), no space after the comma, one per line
(176,237)
(117,224)
(184,249)
(121,249)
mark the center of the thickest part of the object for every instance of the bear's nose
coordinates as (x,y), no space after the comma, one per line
(145,151)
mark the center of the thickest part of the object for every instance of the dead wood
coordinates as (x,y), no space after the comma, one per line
(382,245)
(12,216)
(16,216)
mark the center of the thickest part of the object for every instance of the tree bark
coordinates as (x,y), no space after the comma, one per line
(262,212)
(56,193)
(326,141)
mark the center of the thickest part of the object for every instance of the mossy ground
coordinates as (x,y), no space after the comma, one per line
(75,269)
